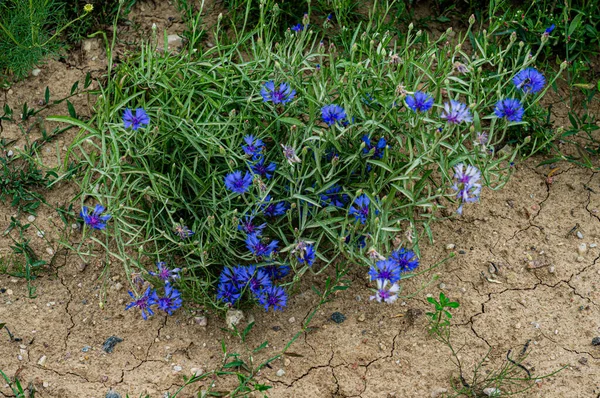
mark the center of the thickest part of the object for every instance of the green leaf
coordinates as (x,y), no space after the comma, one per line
(233,364)
(74,122)
(306,199)
(74,87)
(71,109)
(47,95)
(291,120)
(88,80)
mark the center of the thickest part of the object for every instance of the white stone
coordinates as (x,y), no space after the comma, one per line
(592,245)
(292,320)
(42,360)
(280,373)
(438,392)
(50,251)
(579,235)
(492,392)
(174,41)
(177,368)
(450,246)
(582,248)
(201,321)
(233,318)
(31,218)
(36,72)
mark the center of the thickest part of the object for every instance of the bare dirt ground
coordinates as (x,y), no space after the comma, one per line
(542,288)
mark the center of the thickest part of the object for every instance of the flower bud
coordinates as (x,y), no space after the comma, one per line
(472,19)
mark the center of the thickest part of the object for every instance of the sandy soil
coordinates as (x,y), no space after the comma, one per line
(542,290)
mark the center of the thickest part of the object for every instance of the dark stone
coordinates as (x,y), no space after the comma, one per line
(462,252)
(112,394)
(110,344)
(276,328)
(596,341)
(2,290)
(338,317)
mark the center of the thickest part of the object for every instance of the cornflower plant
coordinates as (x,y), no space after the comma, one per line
(275,160)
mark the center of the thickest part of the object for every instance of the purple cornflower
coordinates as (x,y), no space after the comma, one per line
(290,154)
(461,68)
(170,302)
(385,295)
(273,296)
(165,274)
(183,231)
(255,279)
(333,113)
(509,108)
(258,248)
(141,118)
(95,220)
(253,147)
(405,260)
(334,197)
(419,102)
(482,139)
(456,112)
(529,80)
(305,253)
(271,209)
(265,171)
(360,208)
(466,184)
(248,226)
(143,303)
(298,28)
(228,293)
(237,183)
(281,95)
(277,271)
(378,149)
(385,269)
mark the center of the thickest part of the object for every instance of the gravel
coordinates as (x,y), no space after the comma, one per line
(596,341)
(338,317)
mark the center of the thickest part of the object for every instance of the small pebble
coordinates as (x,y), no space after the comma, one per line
(579,235)
(9,292)
(438,392)
(46,384)
(233,318)
(596,341)
(450,246)
(442,285)
(551,269)
(50,251)
(196,371)
(118,286)
(292,320)
(177,368)
(462,252)
(31,218)
(40,234)
(201,321)
(112,394)
(492,392)
(362,318)
(582,248)
(86,348)
(36,72)
(338,317)
(287,362)
(579,259)
(518,326)
(592,245)
(280,373)
(42,360)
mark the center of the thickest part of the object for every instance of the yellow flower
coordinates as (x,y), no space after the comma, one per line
(88,8)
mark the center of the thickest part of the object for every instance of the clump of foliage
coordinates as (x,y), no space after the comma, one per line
(254,162)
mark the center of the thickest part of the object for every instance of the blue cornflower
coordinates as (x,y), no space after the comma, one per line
(466,184)
(255,279)
(378,149)
(247,225)
(456,112)
(228,292)
(165,274)
(237,183)
(277,271)
(144,302)
(171,301)
(183,231)
(234,276)
(405,260)
(529,80)
(382,294)
(333,113)
(549,29)
(273,296)
(510,108)
(96,219)
(281,95)
(253,147)
(271,209)
(259,248)
(305,253)
(265,171)
(141,118)
(385,269)
(298,27)
(419,102)
(360,209)
(334,197)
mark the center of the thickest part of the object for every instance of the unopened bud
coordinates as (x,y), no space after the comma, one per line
(472,19)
